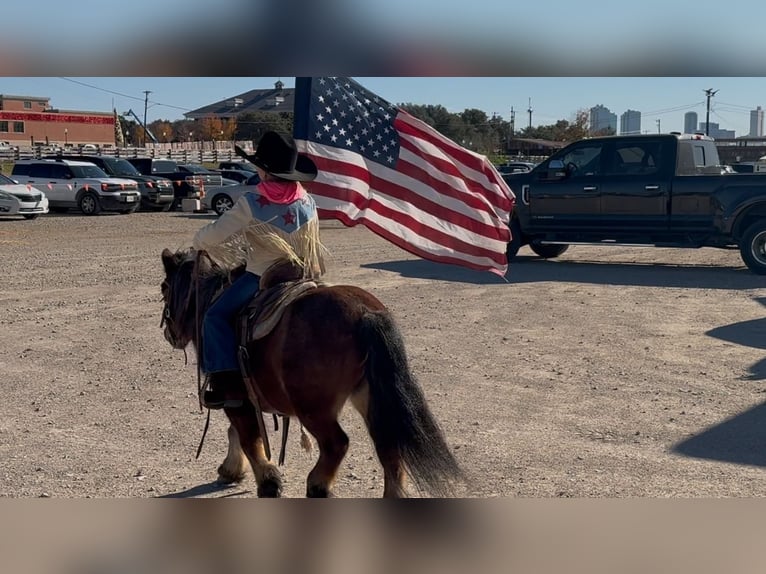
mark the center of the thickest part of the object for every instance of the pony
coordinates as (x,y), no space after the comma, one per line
(333,344)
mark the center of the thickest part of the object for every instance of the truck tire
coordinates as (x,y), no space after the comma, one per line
(515,243)
(752,247)
(548,251)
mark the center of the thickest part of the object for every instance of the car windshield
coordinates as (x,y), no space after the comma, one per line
(6,180)
(122,167)
(88,171)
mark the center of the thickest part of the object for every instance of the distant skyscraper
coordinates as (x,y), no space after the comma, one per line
(630,122)
(756,122)
(716,132)
(690,122)
(601,120)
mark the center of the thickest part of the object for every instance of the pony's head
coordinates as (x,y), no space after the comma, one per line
(178,298)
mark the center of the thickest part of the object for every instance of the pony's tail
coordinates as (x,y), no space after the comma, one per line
(398,416)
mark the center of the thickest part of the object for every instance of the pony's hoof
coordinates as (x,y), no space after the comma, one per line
(270,488)
(225,477)
(316,491)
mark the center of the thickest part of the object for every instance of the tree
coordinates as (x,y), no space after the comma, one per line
(211,128)
(162,130)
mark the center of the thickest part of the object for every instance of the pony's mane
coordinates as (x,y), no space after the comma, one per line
(205,268)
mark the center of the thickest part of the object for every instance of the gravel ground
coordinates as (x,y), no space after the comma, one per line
(609,372)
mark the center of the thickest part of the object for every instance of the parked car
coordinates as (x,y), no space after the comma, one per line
(201,170)
(516,167)
(221,199)
(78,184)
(237,164)
(238,175)
(19,199)
(156,192)
(186,185)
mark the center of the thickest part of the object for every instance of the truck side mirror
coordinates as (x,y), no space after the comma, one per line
(555,170)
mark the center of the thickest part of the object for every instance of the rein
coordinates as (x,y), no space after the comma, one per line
(198,333)
(168,318)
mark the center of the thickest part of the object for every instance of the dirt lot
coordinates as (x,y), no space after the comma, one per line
(610,372)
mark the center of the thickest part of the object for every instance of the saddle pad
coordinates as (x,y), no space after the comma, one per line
(266,309)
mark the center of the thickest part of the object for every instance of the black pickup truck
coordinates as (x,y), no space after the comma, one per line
(666,190)
(186,185)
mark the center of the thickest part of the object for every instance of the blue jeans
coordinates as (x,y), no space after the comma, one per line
(220,345)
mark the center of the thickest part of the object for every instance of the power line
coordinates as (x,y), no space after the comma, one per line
(122,95)
(675,109)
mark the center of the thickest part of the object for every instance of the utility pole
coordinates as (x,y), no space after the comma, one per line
(513,121)
(529,111)
(146,106)
(709,93)
(659,131)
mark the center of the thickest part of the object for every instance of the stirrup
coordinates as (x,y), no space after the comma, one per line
(215,401)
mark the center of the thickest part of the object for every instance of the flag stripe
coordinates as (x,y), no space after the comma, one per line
(392,237)
(332,198)
(380,178)
(407,124)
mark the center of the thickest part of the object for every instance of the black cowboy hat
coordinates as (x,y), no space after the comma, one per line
(276,154)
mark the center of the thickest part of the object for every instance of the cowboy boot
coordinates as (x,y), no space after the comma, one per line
(223,389)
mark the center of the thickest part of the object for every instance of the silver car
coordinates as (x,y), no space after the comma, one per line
(221,198)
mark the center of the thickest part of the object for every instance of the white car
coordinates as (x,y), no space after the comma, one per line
(20,199)
(221,198)
(69,184)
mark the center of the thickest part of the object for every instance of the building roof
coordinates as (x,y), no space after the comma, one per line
(276,99)
(28,98)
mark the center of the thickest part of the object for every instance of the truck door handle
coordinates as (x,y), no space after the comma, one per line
(590,188)
(652,187)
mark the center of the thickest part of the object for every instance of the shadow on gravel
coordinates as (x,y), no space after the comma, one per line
(204,489)
(532,269)
(738,440)
(749,334)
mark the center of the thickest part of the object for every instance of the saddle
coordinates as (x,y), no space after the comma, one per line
(281,284)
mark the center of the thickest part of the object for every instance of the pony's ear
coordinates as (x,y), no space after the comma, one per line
(168,260)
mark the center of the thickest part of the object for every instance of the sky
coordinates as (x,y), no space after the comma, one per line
(663,99)
(381,38)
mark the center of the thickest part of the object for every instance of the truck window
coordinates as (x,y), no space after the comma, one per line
(641,158)
(583,161)
(699,156)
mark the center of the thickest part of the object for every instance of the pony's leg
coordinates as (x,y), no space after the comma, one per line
(267,476)
(394,477)
(333,444)
(233,468)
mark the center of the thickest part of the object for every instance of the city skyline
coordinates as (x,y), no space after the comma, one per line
(656,98)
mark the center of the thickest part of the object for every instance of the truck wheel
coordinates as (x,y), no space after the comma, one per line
(548,251)
(752,247)
(515,243)
(89,204)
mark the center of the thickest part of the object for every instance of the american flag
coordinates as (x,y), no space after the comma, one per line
(400,178)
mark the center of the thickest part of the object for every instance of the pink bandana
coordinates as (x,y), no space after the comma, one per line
(281,191)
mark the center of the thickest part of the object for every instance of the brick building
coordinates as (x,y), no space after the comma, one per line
(27,120)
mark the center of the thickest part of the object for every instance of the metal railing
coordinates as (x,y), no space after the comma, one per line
(191,152)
